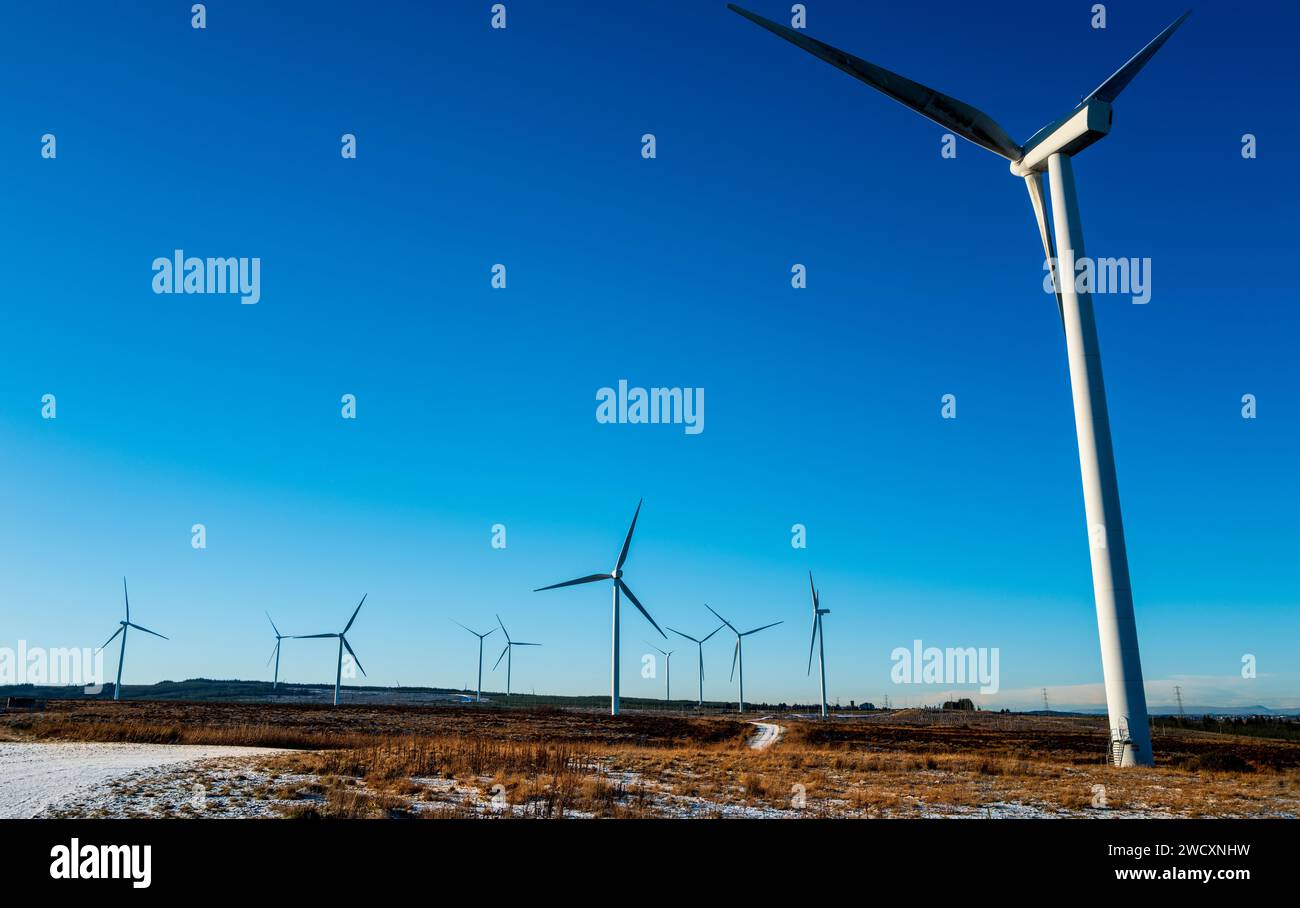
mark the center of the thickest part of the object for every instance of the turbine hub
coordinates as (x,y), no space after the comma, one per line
(615,574)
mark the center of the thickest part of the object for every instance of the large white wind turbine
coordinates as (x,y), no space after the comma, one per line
(122,626)
(818,637)
(1050,151)
(668,670)
(508,653)
(619,585)
(275,653)
(478,697)
(700,644)
(739,656)
(343,643)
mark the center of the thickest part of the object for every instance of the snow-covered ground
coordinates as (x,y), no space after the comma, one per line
(144,780)
(768,734)
(38,779)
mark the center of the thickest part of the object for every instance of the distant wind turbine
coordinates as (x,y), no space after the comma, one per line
(508,652)
(123,625)
(343,643)
(478,697)
(818,639)
(668,670)
(617,576)
(700,645)
(275,653)
(739,656)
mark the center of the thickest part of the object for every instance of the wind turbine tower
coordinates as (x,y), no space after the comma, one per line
(818,640)
(343,644)
(668,670)
(275,653)
(619,585)
(122,629)
(478,697)
(508,653)
(700,645)
(738,656)
(1051,151)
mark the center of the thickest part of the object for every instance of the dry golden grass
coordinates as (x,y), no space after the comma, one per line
(145,732)
(459,763)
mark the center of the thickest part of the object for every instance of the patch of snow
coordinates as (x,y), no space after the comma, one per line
(38,778)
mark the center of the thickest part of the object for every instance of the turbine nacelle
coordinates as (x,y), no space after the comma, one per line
(1069,135)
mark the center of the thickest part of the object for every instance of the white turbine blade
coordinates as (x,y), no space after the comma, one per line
(627,541)
(590,578)
(273,627)
(1034,182)
(813,642)
(735,654)
(127,599)
(503,629)
(312,636)
(519,643)
(354,614)
(1109,90)
(763,628)
(348,647)
(680,634)
(967,121)
(623,586)
(500,657)
(146,630)
(720,618)
(114,637)
(272,656)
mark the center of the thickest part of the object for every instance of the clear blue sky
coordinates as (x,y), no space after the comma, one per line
(477,406)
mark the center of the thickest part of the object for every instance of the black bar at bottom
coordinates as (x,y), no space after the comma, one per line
(212,858)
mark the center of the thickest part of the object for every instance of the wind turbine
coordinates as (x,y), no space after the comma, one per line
(275,653)
(478,697)
(343,642)
(668,670)
(700,645)
(739,655)
(617,576)
(122,626)
(818,636)
(508,652)
(1050,150)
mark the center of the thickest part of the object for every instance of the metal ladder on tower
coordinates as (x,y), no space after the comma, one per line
(1119,739)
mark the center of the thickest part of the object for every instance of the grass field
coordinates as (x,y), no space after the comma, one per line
(458,761)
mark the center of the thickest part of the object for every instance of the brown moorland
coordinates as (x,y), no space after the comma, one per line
(457,761)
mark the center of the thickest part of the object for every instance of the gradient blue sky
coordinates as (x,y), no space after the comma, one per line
(477,406)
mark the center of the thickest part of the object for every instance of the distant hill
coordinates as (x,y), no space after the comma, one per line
(235,691)
(1172,710)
